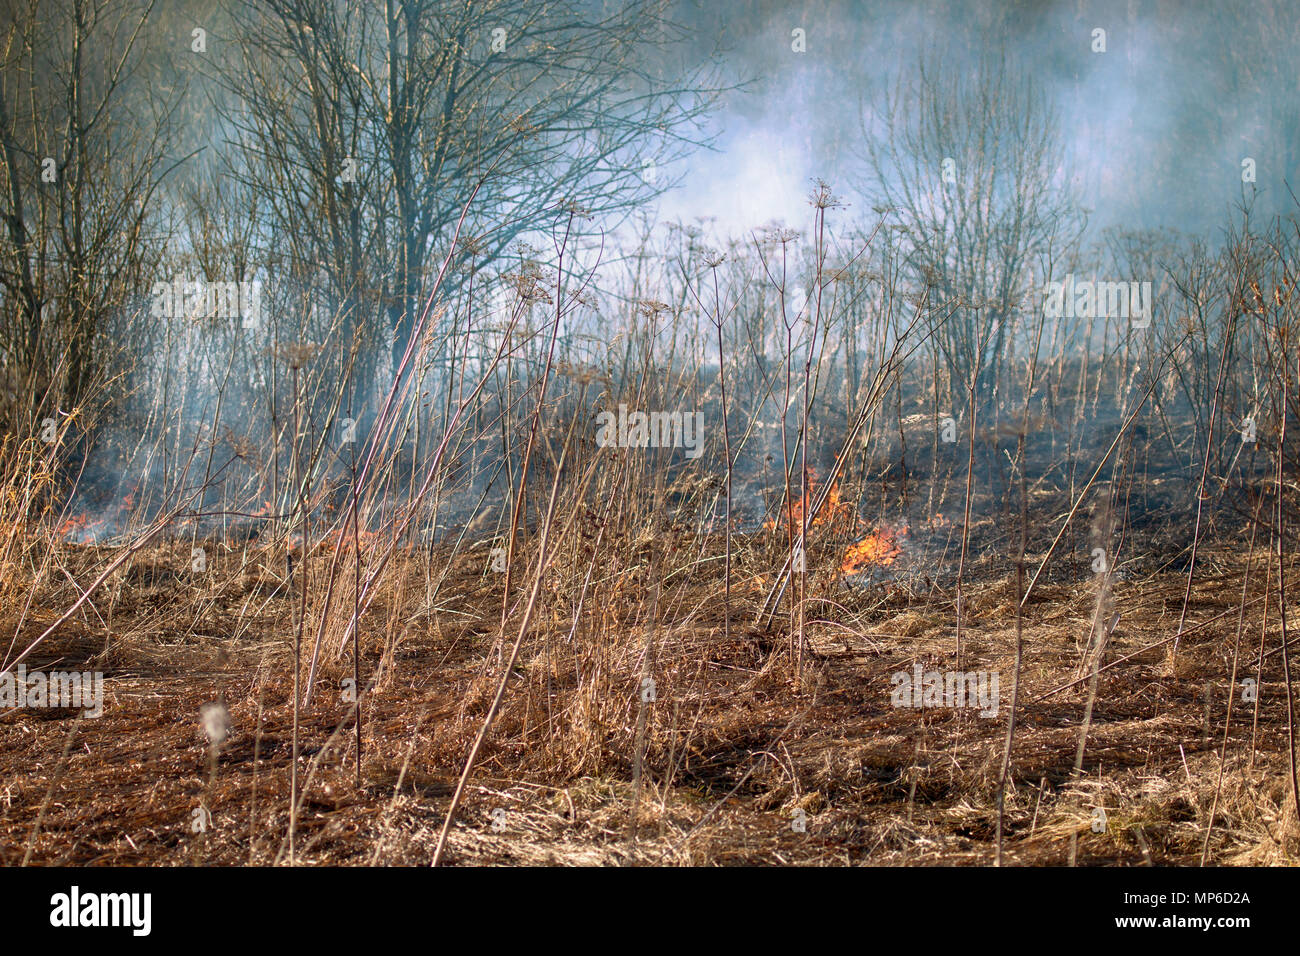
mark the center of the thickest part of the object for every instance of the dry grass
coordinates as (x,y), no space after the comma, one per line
(732,747)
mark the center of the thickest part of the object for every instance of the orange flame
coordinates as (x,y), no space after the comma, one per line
(836,513)
(75,523)
(879,549)
(86,527)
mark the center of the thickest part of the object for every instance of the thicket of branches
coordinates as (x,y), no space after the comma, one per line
(326,149)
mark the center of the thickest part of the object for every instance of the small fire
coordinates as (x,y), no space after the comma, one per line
(87,528)
(835,512)
(879,549)
(79,527)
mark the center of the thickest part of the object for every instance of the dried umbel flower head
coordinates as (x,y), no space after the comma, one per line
(585,298)
(214,718)
(821,196)
(575,209)
(529,283)
(652,307)
(242,446)
(777,234)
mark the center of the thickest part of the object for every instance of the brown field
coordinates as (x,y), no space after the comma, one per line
(579,770)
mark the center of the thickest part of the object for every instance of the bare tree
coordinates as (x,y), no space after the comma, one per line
(366,128)
(79,171)
(971,171)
